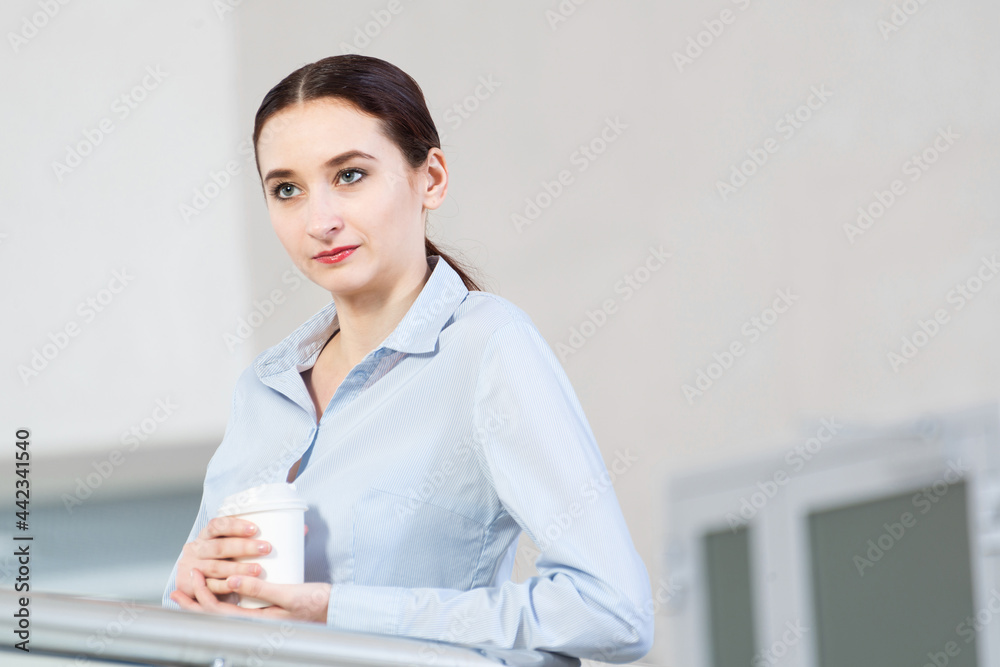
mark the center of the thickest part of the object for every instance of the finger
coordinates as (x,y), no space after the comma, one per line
(227,525)
(204,595)
(219,588)
(212,604)
(307,529)
(202,592)
(262,590)
(221,569)
(229,547)
(184,602)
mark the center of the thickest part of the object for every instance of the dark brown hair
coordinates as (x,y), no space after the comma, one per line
(377,88)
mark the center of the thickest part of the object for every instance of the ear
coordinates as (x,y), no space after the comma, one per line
(436,178)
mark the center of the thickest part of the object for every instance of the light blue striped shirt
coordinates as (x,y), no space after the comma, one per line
(435,452)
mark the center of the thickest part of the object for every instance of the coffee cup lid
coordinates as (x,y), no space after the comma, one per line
(277,496)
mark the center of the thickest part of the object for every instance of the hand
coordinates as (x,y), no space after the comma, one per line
(222,539)
(300,602)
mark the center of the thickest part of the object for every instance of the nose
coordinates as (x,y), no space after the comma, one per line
(324,214)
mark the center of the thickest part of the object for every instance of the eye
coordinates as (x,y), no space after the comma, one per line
(358,174)
(281,190)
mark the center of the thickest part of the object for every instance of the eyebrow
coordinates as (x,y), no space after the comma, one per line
(335,161)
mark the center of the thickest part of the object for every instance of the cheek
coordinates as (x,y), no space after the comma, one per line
(398,212)
(282,220)
(284,229)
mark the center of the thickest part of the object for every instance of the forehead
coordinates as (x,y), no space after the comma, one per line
(317,130)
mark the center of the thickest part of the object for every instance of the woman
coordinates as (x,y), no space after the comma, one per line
(429,421)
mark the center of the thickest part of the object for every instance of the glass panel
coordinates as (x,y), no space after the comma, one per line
(892,583)
(730,623)
(121,547)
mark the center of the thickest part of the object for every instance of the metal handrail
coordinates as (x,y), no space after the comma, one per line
(99,629)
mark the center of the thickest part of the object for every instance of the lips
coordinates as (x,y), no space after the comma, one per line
(336,255)
(335,251)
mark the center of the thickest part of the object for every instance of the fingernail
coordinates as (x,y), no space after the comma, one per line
(251,529)
(263,547)
(234,582)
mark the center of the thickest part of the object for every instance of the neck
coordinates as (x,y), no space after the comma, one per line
(367,319)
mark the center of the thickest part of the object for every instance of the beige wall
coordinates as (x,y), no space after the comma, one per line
(880,102)
(884,99)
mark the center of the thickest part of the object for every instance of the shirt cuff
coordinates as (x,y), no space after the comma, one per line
(364,608)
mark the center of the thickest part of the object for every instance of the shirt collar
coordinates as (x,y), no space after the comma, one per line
(416,333)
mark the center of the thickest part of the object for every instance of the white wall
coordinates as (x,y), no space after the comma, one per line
(656,184)
(156,332)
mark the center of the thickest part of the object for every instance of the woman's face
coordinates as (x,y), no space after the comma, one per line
(332,179)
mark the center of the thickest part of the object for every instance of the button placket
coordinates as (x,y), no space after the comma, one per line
(349,388)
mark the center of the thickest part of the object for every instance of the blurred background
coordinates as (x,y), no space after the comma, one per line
(815,361)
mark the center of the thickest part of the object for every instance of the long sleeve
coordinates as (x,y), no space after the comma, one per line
(592,596)
(199,523)
(202,518)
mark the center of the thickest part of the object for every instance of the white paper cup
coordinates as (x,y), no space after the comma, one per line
(279,514)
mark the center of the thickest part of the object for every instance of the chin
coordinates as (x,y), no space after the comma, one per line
(345,285)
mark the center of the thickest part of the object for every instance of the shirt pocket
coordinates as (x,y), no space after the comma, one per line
(398,541)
